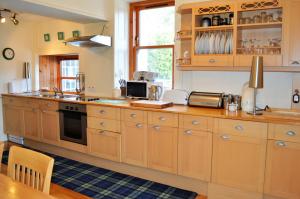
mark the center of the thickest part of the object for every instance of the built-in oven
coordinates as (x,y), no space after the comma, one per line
(73,123)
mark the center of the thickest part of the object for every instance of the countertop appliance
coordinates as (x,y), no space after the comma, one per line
(205,99)
(145,76)
(176,96)
(73,122)
(139,89)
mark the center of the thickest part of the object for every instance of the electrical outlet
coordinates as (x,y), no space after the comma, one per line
(91,89)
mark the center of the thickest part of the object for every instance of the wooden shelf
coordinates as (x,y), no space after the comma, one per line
(225,27)
(260,25)
(184,38)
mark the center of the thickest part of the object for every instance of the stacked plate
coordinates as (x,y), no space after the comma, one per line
(214,43)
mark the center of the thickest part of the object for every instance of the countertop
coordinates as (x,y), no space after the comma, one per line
(285,116)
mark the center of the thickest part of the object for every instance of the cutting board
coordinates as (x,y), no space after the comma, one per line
(151,104)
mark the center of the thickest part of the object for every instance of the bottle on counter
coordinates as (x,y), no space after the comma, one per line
(296,97)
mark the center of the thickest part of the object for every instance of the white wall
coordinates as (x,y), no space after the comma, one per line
(276,93)
(21,39)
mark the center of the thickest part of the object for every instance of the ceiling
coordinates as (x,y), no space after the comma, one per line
(38,9)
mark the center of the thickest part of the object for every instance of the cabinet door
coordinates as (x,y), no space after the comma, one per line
(13,120)
(134,143)
(31,123)
(104,144)
(283,173)
(50,127)
(194,154)
(239,162)
(292,32)
(162,148)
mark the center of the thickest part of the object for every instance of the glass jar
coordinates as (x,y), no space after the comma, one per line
(264,17)
(215,20)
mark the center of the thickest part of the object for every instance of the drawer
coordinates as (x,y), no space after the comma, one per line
(195,122)
(220,60)
(242,128)
(17,101)
(163,119)
(290,133)
(131,115)
(104,144)
(103,124)
(104,112)
(49,105)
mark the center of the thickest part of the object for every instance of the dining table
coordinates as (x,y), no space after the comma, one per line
(10,189)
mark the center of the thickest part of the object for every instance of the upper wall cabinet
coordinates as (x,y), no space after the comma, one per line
(225,35)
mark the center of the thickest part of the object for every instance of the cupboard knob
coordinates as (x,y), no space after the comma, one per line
(133,115)
(225,137)
(291,133)
(102,123)
(239,128)
(188,132)
(101,132)
(162,119)
(157,128)
(195,122)
(102,111)
(293,62)
(139,125)
(281,144)
(212,61)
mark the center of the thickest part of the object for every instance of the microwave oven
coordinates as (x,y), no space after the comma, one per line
(138,89)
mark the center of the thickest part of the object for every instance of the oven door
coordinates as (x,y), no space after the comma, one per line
(73,126)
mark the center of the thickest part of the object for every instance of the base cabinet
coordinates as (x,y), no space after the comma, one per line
(162,148)
(104,144)
(50,127)
(13,120)
(134,143)
(239,162)
(31,123)
(194,154)
(282,169)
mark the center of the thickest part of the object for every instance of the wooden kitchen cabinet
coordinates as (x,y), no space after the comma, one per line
(282,169)
(239,162)
(292,32)
(134,143)
(31,123)
(13,120)
(194,154)
(104,144)
(50,127)
(162,148)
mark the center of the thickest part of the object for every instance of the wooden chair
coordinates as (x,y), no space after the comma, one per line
(31,168)
(1,153)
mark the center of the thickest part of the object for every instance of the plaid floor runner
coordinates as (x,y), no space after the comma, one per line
(96,182)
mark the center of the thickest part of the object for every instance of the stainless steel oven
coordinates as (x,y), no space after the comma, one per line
(73,123)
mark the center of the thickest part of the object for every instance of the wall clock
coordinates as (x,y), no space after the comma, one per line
(8,53)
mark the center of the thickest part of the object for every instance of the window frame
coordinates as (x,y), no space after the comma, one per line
(59,77)
(134,46)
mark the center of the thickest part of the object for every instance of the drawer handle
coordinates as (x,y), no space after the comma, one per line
(139,125)
(101,132)
(188,132)
(102,111)
(101,123)
(239,128)
(295,62)
(133,115)
(291,133)
(195,122)
(162,119)
(281,144)
(212,61)
(225,137)
(157,128)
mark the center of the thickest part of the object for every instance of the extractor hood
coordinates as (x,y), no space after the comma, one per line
(90,41)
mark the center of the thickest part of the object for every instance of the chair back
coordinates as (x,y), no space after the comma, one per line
(1,152)
(30,167)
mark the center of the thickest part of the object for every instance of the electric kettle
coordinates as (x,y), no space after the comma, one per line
(155,92)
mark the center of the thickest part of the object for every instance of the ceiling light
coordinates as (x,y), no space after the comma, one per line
(2,19)
(13,19)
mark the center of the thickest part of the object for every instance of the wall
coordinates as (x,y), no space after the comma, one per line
(276,93)
(21,39)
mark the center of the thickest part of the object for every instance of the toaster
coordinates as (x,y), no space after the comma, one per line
(204,99)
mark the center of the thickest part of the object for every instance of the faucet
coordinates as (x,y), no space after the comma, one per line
(56,91)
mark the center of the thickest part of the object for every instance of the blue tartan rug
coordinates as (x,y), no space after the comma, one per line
(97,182)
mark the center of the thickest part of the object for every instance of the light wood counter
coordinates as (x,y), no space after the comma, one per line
(267,117)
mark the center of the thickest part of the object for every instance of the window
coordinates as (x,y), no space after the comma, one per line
(152,34)
(68,71)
